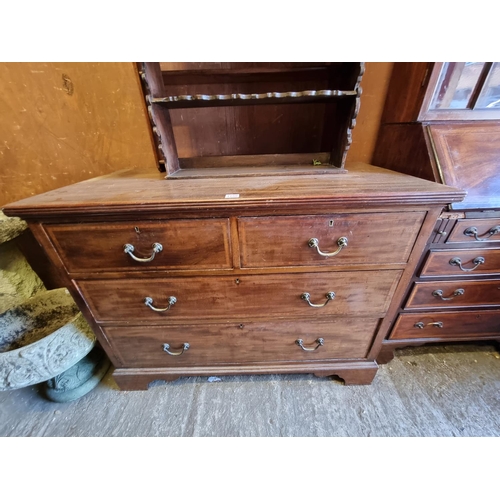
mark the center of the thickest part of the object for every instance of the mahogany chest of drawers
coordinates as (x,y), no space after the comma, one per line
(248,275)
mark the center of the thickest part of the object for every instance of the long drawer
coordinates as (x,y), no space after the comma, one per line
(220,297)
(447,324)
(363,239)
(445,294)
(340,338)
(475,230)
(462,262)
(183,244)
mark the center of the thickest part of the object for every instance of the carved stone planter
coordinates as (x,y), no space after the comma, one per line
(41,338)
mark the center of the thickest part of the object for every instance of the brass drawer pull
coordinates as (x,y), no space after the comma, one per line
(149,302)
(307,296)
(319,341)
(185,347)
(472,231)
(456,293)
(128,248)
(341,242)
(456,261)
(438,324)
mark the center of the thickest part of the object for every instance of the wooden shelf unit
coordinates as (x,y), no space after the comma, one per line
(248,119)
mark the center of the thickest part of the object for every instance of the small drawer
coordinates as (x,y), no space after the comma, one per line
(441,230)
(362,239)
(242,342)
(462,262)
(446,294)
(220,297)
(447,324)
(184,244)
(475,231)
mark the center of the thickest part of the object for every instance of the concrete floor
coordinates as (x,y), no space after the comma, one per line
(435,390)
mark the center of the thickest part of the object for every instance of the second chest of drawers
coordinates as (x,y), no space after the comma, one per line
(456,292)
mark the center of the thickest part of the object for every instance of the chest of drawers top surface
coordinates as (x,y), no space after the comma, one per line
(145,192)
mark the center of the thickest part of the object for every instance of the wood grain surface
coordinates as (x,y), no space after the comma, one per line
(246,342)
(378,238)
(403,147)
(146,191)
(447,325)
(468,154)
(221,297)
(352,372)
(476,293)
(483,226)
(438,262)
(407,80)
(187,244)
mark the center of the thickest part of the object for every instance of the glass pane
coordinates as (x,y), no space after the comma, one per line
(455,85)
(490,93)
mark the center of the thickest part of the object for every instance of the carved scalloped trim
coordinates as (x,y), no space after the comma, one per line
(266,95)
(352,121)
(360,76)
(156,135)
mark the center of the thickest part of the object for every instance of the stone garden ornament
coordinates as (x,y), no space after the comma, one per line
(42,338)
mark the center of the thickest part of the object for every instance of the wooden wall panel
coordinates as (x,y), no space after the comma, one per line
(61,123)
(375,83)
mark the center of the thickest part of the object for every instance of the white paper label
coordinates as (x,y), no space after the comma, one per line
(232,195)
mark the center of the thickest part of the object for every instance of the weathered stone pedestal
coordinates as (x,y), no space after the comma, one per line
(78,380)
(43,335)
(41,338)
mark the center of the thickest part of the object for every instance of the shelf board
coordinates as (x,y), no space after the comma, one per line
(305,73)
(248,171)
(212,100)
